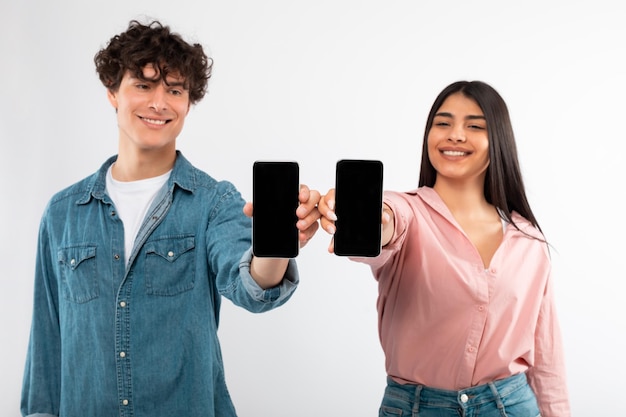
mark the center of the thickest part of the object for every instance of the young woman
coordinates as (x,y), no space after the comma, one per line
(466,307)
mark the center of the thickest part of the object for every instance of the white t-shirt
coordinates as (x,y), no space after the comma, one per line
(132,200)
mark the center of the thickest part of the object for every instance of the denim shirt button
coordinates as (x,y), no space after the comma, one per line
(116,256)
(122,304)
(125,402)
(73,262)
(122,354)
(170,254)
(464,398)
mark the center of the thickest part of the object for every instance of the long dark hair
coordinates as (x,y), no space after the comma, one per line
(504,186)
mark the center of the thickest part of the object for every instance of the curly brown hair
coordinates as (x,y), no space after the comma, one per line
(154,44)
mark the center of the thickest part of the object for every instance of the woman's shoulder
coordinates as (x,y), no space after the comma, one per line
(411,194)
(419,202)
(524,226)
(416,197)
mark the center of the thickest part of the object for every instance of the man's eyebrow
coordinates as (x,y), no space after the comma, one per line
(175,83)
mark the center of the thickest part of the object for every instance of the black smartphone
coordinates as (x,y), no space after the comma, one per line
(275,189)
(358,206)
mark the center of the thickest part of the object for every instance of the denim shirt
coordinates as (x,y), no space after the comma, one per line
(139,340)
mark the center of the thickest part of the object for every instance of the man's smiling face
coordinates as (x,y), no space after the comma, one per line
(151,110)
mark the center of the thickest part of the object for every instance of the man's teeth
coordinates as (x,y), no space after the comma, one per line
(454,153)
(156,122)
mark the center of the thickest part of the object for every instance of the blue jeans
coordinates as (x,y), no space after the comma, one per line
(509,397)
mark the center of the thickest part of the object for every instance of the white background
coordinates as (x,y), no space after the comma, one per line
(316,81)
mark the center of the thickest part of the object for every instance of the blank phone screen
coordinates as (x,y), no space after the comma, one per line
(275,189)
(358,206)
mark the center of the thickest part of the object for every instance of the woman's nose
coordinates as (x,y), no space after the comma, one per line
(457,135)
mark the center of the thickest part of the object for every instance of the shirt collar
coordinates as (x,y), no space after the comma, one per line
(183,175)
(430,197)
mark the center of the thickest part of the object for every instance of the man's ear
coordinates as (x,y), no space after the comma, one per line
(112,96)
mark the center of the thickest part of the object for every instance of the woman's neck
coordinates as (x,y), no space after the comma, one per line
(464,200)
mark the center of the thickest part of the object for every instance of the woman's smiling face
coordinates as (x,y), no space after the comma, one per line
(458,142)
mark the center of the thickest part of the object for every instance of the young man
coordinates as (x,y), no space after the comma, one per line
(133,260)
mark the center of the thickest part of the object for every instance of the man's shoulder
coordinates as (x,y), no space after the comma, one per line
(190,177)
(74,191)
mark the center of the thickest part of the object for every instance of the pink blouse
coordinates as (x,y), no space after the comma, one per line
(447,322)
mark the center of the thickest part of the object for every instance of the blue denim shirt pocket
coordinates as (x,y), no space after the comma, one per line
(170,265)
(79,273)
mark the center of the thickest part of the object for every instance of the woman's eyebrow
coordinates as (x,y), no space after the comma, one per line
(469,117)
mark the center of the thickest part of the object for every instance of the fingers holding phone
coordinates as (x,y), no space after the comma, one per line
(307,213)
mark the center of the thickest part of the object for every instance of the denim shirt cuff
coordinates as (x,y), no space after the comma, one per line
(278,293)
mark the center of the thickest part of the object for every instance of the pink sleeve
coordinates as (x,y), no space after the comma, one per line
(401,212)
(547,377)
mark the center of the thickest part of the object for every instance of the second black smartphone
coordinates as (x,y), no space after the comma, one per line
(358,206)
(275,189)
